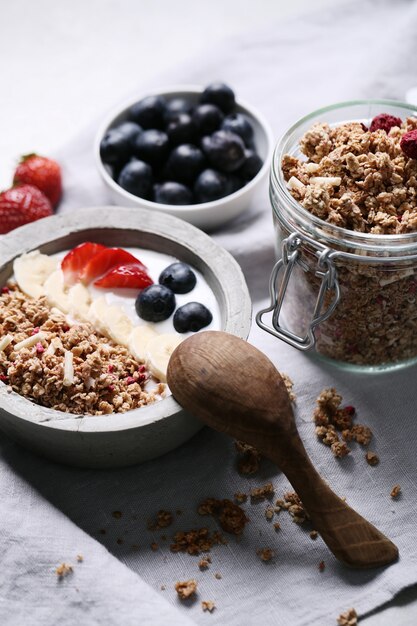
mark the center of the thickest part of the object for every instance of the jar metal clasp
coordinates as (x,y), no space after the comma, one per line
(278,287)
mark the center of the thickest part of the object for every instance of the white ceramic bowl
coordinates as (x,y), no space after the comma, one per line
(206,215)
(141,434)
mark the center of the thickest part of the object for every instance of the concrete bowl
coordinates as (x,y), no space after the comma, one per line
(135,436)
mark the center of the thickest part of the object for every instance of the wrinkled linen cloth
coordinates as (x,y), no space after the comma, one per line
(51,513)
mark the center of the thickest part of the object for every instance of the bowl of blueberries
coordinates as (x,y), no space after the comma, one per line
(195,153)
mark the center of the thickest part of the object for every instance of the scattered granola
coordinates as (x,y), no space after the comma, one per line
(66,368)
(295,507)
(230,516)
(186,589)
(348,618)
(218,576)
(277,526)
(249,460)
(265,554)
(322,566)
(163,520)
(208,605)
(204,563)
(80,558)
(395,491)
(117,514)
(259,494)
(269,513)
(372,458)
(154,546)
(195,541)
(63,570)
(330,418)
(289,385)
(240,497)
(314,534)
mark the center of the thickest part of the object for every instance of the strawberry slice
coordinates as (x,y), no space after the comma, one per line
(131,276)
(74,262)
(105,261)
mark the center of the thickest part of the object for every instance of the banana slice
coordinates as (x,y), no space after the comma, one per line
(110,320)
(55,292)
(139,339)
(158,352)
(31,271)
(79,302)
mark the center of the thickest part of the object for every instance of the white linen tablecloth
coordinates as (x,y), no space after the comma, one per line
(51,513)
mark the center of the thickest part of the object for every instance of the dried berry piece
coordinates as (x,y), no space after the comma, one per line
(409,144)
(384,122)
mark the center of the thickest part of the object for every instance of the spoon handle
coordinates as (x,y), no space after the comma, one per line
(352,539)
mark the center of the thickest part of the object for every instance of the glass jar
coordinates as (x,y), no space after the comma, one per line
(348,296)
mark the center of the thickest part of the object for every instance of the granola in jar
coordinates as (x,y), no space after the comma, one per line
(349,189)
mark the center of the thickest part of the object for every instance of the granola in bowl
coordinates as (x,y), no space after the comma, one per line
(348,187)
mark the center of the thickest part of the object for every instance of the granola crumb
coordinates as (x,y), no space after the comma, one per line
(348,618)
(163,587)
(154,546)
(265,554)
(117,514)
(204,563)
(240,497)
(249,458)
(314,534)
(208,605)
(230,515)
(289,385)
(119,541)
(295,507)
(372,458)
(395,491)
(260,494)
(102,531)
(195,541)
(186,589)
(322,566)
(218,576)
(63,570)
(80,558)
(269,513)
(163,520)
(277,526)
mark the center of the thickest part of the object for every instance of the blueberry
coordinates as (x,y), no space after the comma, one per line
(155,303)
(240,125)
(176,107)
(149,112)
(207,118)
(136,177)
(115,147)
(130,130)
(152,146)
(192,316)
(171,192)
(251,165)
(235,182)
(181,129)
(224,150)
(185,163)
(179,277)
(221,95)
(211,185)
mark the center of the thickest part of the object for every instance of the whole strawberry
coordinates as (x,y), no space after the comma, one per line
(20,205)
(43,173)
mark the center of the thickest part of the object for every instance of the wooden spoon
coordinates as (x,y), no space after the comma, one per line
(234,388)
